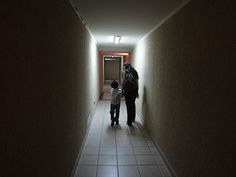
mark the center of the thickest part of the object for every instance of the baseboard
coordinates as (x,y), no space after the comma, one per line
(168,165)
(139,118)
(82,145)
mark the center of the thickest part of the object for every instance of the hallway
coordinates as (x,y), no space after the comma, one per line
(118,151)
(52,76)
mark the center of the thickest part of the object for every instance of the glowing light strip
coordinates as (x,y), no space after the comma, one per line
(117,39)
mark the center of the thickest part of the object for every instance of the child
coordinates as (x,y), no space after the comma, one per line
(116,94)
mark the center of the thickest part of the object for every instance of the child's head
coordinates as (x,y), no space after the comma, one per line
(114,84)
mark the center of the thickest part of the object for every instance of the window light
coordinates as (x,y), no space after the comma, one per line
(117,39)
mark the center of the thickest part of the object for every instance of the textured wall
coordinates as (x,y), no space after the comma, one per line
(49,62)
(186,88)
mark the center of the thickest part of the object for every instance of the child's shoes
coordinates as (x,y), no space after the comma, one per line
(112,123)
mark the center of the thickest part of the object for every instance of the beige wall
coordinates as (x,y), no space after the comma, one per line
(49,87)
(186,88)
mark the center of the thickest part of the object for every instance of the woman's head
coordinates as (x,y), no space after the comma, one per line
(127,67)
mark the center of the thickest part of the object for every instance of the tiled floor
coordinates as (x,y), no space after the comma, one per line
(118,151)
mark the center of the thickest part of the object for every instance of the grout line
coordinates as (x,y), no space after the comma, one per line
(134,152)
(100,140)
(104,107)
(149,147)
(116,154)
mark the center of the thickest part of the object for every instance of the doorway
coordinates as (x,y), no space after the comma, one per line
(111,65)
(112,70)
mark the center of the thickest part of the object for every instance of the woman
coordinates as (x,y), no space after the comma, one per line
(130,89)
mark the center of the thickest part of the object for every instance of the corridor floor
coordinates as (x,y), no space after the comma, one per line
(118,151)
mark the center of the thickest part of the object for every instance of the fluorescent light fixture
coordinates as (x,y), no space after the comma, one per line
(117,39)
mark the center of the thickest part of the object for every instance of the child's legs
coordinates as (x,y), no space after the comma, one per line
(117,109)
(112,110)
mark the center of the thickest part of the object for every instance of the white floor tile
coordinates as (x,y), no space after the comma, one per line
(107,171)
(128,149)
(108,151)
(142,151)
(145,160)
(88,160)
(128,171)
(125,151)
(126,160)
(150,171)
(92,142)
(107,160)
(139,143)
(86,171)
(90,151)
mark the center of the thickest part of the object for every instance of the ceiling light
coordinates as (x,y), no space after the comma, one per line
(117,39)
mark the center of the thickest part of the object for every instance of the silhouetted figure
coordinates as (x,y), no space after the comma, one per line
(116,94)
(130,89)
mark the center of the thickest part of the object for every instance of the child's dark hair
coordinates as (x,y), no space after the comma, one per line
(114,84)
